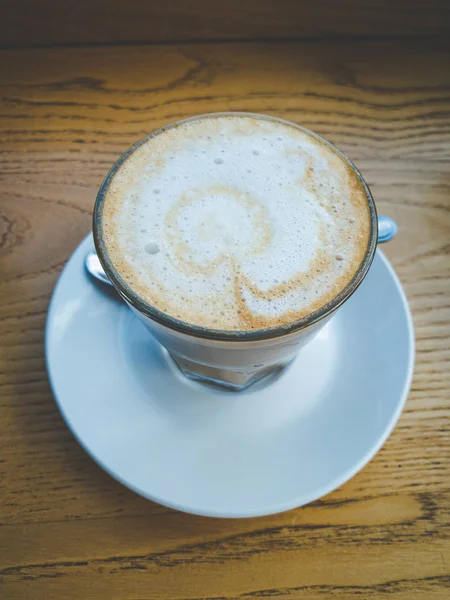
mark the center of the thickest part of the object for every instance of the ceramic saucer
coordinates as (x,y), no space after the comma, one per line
(225,454)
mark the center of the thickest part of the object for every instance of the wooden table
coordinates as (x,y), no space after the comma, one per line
(69,531)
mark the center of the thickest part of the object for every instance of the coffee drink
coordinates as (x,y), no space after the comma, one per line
(235,222)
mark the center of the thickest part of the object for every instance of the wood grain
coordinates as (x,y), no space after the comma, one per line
(50,22)
(67,530)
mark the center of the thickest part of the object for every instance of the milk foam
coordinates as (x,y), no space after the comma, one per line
(236,222)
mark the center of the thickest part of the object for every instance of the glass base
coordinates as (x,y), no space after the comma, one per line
(229,379)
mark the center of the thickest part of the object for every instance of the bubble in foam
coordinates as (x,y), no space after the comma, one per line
(152,248)
(218,161)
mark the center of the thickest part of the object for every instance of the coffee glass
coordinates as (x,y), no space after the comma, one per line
(232,359)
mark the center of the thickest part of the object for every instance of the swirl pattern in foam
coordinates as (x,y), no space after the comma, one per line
(236,222)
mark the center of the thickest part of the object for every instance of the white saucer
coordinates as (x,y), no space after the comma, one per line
(226,454)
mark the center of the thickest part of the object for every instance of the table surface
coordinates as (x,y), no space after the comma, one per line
(67,530)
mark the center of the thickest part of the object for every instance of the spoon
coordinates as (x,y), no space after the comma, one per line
(387,228)
(94,267)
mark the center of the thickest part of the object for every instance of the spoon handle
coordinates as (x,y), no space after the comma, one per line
(387,228)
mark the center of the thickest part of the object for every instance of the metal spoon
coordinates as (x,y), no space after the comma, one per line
(387,228)
(94,267)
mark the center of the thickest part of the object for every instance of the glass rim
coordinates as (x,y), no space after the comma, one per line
(223,334)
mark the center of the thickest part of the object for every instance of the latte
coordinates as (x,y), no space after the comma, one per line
(235,222)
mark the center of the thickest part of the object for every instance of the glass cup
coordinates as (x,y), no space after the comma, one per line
(232,359)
